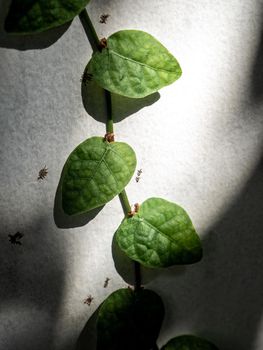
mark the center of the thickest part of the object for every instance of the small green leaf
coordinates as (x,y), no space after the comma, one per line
(189,342)
(161,234)
(35,16)
(134,64)
(129,320)
(94,173)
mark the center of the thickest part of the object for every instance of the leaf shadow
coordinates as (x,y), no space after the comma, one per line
(88,336)
(94,102)
(28,41)
(63,220)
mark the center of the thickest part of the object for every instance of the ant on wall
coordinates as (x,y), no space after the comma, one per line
(89,299)
(42,173)
(106,282)
(139,172)
(15,239)
(104,17)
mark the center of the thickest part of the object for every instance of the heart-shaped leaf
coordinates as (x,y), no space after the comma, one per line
(35,16)
(189,342)
(129,320)
(94,173)
(134,64)
(161,234)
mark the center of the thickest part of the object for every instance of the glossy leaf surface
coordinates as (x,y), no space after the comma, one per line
(35,16)
(129,320)
(189,342)
(134,64)
(95,172)
(161,234)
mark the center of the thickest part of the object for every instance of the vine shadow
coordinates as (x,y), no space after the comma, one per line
(63,220)
(94,102)
(29,41)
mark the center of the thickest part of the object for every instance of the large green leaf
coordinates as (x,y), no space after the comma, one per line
(134,64)
(94,173)
(189,342)
(161,234)
(34,16)
(129,320)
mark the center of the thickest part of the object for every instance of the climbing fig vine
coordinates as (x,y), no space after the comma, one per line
(157,233)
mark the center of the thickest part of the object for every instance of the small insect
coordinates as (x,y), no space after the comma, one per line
(85,78)
(134,210)
(139,172)
(42,173)
(103,43)
(104,17)
(109,137)
(15,239)
(89,299)
(136,207)
(106,282)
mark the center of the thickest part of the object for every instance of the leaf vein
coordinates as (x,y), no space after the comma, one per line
(110,51)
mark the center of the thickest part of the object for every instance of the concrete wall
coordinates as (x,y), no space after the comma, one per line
(199,145)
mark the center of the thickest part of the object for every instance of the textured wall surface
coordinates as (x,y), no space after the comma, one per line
(199,145)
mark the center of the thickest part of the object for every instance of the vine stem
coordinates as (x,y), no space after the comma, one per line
(90,30)
(109,121)
(96,46)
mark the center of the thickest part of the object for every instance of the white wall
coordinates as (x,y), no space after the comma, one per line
(199,145)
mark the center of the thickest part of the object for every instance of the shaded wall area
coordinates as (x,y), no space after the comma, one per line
(221,297)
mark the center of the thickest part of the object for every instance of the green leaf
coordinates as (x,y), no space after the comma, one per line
(189,342)
(161,234)
(94,173)
(35,16)
(134,64)
(129,320)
